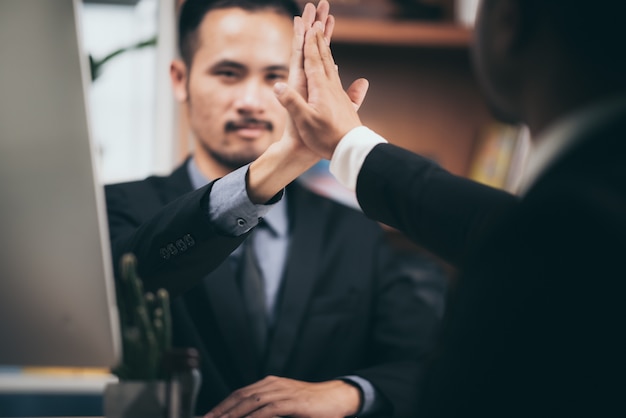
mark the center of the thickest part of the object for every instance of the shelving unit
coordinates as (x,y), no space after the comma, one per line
(423,94)
(361,31)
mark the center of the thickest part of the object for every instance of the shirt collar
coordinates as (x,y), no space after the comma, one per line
(198,179)
(276,219)
(563,135)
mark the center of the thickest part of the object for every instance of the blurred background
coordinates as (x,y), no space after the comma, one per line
(423,96)
(423,93)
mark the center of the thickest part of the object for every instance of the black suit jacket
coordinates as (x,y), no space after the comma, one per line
(347,304)
(538,324)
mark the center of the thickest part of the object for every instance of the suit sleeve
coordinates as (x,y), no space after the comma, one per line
(175,245)
(409,296)
(433,207)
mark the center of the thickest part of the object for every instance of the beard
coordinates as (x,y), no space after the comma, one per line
(236,159)
(233,160)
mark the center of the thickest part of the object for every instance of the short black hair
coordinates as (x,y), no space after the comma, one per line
(193,12)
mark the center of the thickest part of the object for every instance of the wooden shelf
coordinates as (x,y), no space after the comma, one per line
(400,33)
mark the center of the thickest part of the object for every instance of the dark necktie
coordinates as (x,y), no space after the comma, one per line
(253,291)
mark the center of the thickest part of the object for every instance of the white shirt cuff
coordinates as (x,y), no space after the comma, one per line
(350,154)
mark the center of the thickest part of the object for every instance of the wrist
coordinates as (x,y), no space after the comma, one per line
(278,166)
(351,397)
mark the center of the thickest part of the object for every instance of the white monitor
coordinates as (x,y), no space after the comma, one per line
(57,297)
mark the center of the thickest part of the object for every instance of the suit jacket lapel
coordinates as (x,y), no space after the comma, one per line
(177,184)
(227,304)
(223,294)
(306,222)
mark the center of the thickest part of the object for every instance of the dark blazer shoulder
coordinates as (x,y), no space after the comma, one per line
(164,222)
(154,190)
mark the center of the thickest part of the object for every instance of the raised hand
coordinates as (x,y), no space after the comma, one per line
(279,396)
(297,78)
(286,159)
(329,112)
(301,25)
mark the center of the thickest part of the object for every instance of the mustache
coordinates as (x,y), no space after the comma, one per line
(233,125)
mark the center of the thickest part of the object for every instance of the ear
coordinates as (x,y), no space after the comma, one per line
(178,76)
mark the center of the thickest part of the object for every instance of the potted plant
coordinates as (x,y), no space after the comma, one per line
(142,389)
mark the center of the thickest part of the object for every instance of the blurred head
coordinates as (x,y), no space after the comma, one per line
(496,74)
(232,53)
(536,59)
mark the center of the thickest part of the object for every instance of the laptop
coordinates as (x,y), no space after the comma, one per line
(57,297)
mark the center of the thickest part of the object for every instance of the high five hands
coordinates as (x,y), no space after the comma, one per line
(286,159)
(325,112)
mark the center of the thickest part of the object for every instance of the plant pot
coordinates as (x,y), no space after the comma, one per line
(135,399)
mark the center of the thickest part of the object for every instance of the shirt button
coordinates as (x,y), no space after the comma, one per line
(241,222)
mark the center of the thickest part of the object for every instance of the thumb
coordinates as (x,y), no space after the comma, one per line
(290,99)
(357,91)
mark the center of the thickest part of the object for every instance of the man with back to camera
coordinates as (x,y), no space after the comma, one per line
(537,324)
(346,324)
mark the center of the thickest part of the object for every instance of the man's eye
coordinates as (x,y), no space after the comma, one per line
(276,77)
(226,73)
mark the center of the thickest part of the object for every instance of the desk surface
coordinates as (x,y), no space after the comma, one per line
(54,384)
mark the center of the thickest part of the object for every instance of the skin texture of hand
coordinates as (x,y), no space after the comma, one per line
(329,112)
(279,396)
(297,79)
(290,154)
(310,15)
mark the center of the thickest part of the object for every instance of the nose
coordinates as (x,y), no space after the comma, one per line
(252,97)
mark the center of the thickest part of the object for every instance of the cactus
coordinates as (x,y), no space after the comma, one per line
(146,326)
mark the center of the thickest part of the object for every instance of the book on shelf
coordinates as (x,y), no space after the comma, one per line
(499,156)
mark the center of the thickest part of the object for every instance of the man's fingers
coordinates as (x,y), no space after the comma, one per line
(357,92)
(298,30)
(313,66)
(246,400)
(263,399)
(301,25)
(308,15)
(297,44)
(329,28)
(243,406)
(276,409)
(290,99)
(323,7)
(298,35)
(324,52)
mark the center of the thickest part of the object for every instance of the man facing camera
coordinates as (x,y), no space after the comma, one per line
(314,315)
